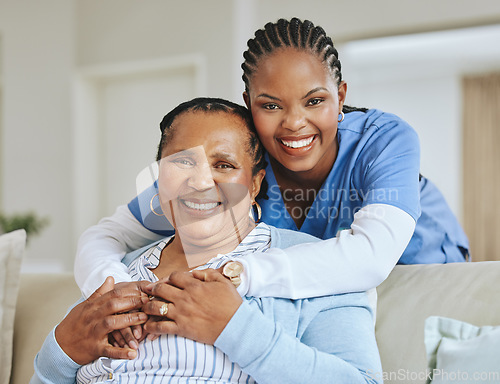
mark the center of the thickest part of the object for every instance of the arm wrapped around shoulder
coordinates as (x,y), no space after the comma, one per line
(358,259)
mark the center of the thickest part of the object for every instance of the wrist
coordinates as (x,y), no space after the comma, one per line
(65,344)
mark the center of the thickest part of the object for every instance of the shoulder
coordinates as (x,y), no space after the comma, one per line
(131,256)
(376,134)
(284,238)
(373,120)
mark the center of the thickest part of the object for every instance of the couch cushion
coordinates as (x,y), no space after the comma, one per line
(11,254)
(460,352)
(468,292)
(43,301)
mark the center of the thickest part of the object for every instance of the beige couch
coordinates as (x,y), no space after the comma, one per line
(465,291)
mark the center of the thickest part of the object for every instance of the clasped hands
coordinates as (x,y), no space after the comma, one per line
(112,321)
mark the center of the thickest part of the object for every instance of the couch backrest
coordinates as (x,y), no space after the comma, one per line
(468,292)
(465,291)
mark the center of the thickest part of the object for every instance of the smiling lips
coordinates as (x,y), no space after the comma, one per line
(297,145)
(201,206)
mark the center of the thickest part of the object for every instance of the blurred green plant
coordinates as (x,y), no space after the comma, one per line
(29,221)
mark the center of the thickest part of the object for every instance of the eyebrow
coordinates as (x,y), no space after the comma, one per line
(269,96)
(182,152)
(305,97)
(313,91)
(225,156)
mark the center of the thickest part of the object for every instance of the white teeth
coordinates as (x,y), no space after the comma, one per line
(298,143)
(201,207)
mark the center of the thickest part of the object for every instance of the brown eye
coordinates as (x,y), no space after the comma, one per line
(315,101)
(224,166)
(271,106)
(183,162)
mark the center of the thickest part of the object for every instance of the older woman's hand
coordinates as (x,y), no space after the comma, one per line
(83,333)
(199,305)
(129,336)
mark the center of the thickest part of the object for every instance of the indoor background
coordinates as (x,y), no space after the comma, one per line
(84,84)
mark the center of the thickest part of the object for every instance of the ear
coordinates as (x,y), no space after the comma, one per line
(342,94)
(256,183)
(247,99)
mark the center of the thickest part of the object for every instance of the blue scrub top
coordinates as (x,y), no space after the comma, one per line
(377,163)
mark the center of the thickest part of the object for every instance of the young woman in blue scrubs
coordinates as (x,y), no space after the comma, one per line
(348,176)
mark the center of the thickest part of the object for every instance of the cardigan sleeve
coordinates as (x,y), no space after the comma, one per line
(336,345)
(52,365)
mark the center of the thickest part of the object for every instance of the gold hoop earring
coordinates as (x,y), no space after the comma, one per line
(259,211)
(342,118)
(151,205)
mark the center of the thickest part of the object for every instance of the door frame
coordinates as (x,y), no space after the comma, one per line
(87,173)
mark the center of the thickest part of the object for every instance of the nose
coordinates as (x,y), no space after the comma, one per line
(201,178)
(294,119)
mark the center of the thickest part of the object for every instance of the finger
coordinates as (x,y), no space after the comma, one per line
(133,285)
(144,285)
(129,337)
(152,337)
(137,331)
(161,327)
(160,309)
(118,338)
(208,275)
(167,292)
(149,288)
(118,353)
(143,333)
(107,286)
(112,341)
(112,303)
(163,279)
(116,322)
(127,290)
(181,280)
(200,274)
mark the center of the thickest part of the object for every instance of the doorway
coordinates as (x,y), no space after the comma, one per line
(118,109)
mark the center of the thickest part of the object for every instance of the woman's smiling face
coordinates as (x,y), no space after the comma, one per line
(295,101)
(205,183)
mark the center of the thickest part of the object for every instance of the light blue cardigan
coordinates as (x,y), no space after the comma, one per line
(327,339)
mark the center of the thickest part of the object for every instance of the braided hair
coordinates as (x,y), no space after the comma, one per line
(302,35)
(216,105)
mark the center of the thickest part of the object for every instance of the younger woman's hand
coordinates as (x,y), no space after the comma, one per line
(199,304)
(128,337)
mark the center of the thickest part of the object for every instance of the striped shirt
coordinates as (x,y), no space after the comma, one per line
(171,358)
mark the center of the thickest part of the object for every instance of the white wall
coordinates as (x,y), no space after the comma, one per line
(114,31)
(37,60)
(418,77)
(347,20)
(116,114)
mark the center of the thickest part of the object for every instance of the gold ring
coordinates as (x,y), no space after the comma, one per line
(164,309)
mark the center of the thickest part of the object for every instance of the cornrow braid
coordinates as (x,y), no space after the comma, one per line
(295,33)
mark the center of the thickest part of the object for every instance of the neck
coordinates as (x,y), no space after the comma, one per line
(288,179)
(185,253)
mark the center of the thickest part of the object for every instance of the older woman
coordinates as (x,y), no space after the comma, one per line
(211,170)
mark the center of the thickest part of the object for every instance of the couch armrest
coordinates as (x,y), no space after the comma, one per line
(468,292)
(42,302)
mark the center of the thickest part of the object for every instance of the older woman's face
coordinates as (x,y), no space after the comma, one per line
(205,182)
